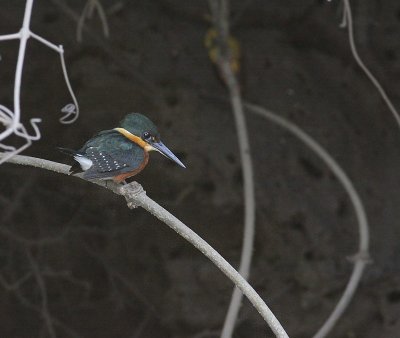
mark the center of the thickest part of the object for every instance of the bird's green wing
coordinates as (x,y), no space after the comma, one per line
(112,154)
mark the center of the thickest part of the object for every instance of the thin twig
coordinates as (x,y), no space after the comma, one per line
(73,108)
(220,13)
(81,21)
(8,213)
(13,286)
(11,119)
(348,20)
(43,293)
(57,322)
(119,57)
(87,12)
(25,34)
(361,259)
(136,196)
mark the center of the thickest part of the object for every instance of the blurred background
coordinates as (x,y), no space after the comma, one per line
(74,255)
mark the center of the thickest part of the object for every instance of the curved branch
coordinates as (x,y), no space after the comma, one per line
(348,19)
(136,196)
(361,259)
(220,14)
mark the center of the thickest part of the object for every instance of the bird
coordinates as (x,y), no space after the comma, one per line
(119,153)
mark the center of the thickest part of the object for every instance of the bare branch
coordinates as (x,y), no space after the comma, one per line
(220,14)
(87,12)
(136,196)
(11,119)
(361,259)
(348,20)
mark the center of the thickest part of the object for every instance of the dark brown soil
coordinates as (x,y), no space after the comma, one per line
(112,272)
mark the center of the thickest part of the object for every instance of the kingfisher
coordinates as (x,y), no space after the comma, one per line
(119,153)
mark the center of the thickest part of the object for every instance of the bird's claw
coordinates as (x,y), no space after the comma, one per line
(131,191)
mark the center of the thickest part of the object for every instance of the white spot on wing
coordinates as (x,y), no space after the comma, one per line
(83,161)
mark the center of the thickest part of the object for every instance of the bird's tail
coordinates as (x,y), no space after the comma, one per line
(67,151)
(75,168)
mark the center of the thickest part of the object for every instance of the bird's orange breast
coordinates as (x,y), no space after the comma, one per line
(124,176)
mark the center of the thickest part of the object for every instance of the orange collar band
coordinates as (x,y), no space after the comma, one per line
(135,139)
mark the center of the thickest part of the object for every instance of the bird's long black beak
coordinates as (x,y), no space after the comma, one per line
(163,149)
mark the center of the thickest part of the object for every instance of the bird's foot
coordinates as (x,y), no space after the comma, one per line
(131,192)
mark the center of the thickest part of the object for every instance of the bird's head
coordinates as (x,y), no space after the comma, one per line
(139,129)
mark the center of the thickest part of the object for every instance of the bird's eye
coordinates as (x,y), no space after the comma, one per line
(146,135)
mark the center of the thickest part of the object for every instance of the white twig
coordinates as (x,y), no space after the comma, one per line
(23,36)
(6,118)
(11,119)
(136,196)
(348,20)
(220,12)
(6,37)
(73,108)
(362,257)
(46,43)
